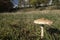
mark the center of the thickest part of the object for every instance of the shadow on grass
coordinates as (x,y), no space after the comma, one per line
(3,10)
(53,30)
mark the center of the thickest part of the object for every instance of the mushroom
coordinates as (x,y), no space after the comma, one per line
(43,22)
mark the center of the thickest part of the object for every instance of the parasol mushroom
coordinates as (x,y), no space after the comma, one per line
(42,22)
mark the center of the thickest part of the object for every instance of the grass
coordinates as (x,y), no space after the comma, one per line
(21,26)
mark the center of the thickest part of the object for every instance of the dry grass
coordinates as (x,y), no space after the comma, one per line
(33,12)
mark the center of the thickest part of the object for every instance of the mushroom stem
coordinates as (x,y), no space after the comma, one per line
(42,32)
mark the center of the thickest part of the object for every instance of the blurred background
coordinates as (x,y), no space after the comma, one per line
(7,4)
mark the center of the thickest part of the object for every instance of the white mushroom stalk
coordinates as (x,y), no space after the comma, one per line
(42,32)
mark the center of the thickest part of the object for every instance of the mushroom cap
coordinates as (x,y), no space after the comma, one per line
(43,21)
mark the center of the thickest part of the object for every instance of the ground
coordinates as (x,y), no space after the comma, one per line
(33,11)
(20,25)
